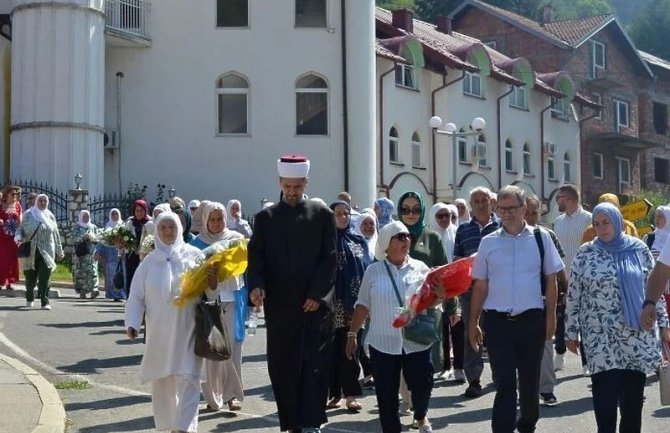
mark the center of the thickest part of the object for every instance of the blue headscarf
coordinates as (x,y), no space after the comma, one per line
(353,259)
(626,251)
(417,228)
(386,207)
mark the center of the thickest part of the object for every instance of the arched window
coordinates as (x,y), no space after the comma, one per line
(311,101)
(567,176)
(509,156)
(481,151)
(526,158)
(232,91)
(416,150)
(393,145)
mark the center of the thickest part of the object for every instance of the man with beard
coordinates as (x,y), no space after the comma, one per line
(292,261)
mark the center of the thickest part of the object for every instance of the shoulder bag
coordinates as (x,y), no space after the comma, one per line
(118,280)
(423,327)
(81,249)
(24,247)
(211,336)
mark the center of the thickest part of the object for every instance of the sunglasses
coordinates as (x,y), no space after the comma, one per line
(442,216)
(401,237)
(407,211)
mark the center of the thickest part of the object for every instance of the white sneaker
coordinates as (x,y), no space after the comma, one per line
(405,408)
(459,375)
(426,428)
(447,375)
(46,307)
(559,362)
(30,304)
(585,369)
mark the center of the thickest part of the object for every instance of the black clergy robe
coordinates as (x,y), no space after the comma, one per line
(292,256)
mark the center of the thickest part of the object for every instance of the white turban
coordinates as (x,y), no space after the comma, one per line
(385,235)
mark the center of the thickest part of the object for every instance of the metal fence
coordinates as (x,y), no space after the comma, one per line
(57,198)
(130,17)
(100,205)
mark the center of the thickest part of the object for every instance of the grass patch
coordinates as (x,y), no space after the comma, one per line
(72,384)
(63,271)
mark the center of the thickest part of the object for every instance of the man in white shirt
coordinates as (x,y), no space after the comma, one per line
(569,228)
(508,288)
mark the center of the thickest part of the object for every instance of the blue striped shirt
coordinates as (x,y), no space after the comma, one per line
(470,234)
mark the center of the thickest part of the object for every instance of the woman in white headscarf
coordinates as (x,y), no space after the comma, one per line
(84,266)
(234,219)
(112,259)
(222,382)
(439,220)
(45,249)
(169,360)
(366,226)
(463,210)
(657,239)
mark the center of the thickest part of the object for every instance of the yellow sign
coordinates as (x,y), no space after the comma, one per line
(636,210)
(641,231)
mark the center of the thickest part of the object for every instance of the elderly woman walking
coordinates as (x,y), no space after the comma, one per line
(169,360)
(222,383)
(10,219)
(84,266)
(234,219)
(111,259)
(40,228)
(605,299)
(385,285)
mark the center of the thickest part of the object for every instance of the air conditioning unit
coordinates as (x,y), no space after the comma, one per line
(550,149)
(479,151)
(110,139)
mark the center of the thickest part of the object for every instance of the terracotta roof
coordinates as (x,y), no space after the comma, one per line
(576,31)
(382,51)
(654,61)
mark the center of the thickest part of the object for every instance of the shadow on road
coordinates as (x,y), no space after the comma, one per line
(144,423)
(107,324)
(92,365)
(109,403)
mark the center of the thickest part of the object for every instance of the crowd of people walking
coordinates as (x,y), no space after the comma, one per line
(330,279)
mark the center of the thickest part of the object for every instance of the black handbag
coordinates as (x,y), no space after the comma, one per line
(118,280)
(423,327)
(81,249)
(211,336)
(24,247)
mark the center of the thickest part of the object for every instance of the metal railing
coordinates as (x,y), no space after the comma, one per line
(128,17)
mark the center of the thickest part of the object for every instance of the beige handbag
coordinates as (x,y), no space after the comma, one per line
(664,376)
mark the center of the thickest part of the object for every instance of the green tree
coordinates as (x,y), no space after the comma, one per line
(649,27)
(429,10)
(570,9)
(396,4)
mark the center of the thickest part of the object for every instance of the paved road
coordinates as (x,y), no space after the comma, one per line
(86,339)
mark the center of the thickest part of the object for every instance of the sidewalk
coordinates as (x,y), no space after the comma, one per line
(30,404)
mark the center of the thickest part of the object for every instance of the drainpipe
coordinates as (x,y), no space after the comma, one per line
(542,150)
(119,79)
(345,118)
(499,114)
(381,126)
(444,85)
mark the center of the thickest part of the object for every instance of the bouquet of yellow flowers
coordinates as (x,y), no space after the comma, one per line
(119,237)
(229,257)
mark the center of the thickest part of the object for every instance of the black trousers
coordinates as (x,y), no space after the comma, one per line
(515,345)
(622,388)
(417,370)
(452,336)
(559,342)
(40,276)
(344,372)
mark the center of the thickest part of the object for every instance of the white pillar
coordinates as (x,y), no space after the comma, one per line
(57,110)
(360,46)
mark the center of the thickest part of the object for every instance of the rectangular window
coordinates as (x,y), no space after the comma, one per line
(472,84)
(620,114)
(404,76)
(312,113)
(393,149)
(232,13)
(509,159)
(598,97)
(462,150)
(598,165)
(310,13)
(596,59)
(661,170)
(518,98)
(660,118)
(416,154)
(567,176)
(551,169)
(232,113)
(559,108)
(624,170)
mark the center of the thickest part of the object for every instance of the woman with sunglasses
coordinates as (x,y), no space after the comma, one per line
(10,219)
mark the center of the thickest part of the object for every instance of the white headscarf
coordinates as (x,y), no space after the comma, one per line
(45,216)
(661,235)
(447,235)
(163,207)
(111,223)
(231,222)
(168,258)
(372,241)
(465,217)
(385,235)
(80,219)
(206,208)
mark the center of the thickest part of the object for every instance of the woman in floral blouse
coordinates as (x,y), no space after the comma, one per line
(605,298)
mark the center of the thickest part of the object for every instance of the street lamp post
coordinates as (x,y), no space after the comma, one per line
(451,130)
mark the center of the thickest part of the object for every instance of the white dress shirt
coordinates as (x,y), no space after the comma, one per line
(569,230)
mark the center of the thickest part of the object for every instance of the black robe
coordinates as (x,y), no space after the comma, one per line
(292,256)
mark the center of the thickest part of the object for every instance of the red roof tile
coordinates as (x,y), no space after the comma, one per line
(578,30)
(382,51)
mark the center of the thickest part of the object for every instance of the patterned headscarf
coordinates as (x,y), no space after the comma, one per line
(386,209)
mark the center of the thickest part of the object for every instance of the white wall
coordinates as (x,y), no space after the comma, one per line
(169,117)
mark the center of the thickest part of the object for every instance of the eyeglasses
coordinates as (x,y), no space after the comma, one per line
(407,211)
(401,236)
(508,209)
(442,216)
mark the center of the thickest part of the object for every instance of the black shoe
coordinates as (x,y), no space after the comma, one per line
(369,383)
(548,399)
(474,390)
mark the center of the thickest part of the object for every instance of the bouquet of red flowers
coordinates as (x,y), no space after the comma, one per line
(444,281)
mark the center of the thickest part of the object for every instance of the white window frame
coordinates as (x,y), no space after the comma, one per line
(598,97)
(470,78)
(527,160)
(405,72)
(307,90)
(509,153)
(617,104)
(551,167)
(623,166)
(416,150)
(567,168)
(599,157)
(559,108)
(594,59)
(232,91)
(394,143)
(462,150)
(519,97)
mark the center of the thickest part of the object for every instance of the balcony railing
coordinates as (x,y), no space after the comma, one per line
(129,18)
